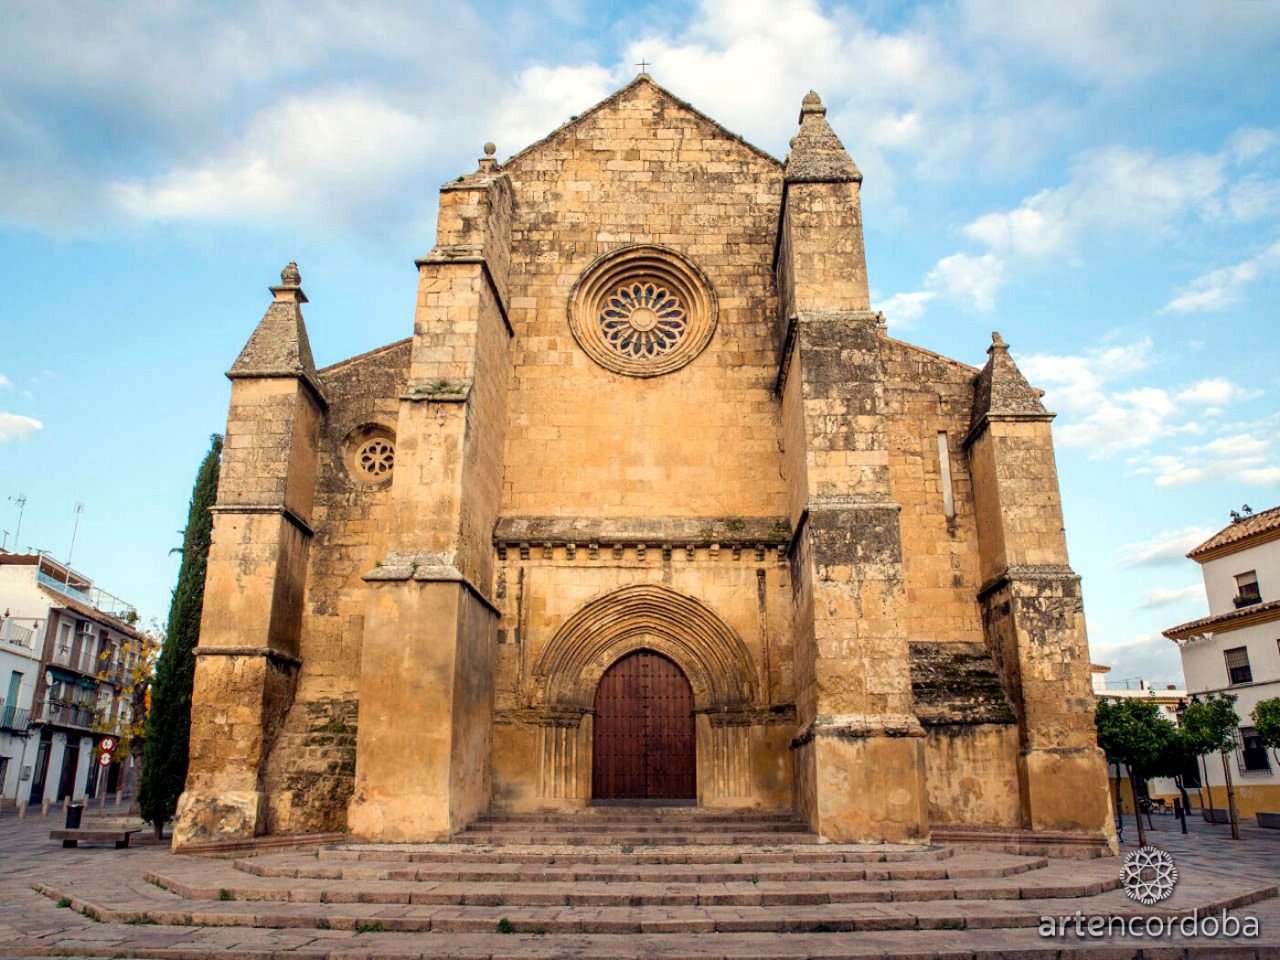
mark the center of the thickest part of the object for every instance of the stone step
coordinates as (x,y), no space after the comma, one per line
(626,838)
(646,854)
(974,866)
(97,898)
(518,827)
(652,894)
(643,815)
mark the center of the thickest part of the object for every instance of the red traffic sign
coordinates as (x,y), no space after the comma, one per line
(107,743)
(104,760)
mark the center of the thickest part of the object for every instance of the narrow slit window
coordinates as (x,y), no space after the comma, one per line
(944,459)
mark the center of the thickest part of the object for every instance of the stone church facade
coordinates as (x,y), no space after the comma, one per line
(649,507)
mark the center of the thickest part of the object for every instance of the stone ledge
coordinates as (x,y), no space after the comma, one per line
(857,726)
(426,567)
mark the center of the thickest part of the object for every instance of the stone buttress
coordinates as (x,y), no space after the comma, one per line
(426,672)
(248,659)
(858,752)
(1032,611)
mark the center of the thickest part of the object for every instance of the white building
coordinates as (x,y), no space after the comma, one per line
(1167,696)
(67,652)
(1236,649)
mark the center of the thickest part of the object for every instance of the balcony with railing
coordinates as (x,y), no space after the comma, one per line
(13,717)
(62,579)
(14,633)
(65,714)
(83,662)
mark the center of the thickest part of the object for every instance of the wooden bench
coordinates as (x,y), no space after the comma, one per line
(70,838)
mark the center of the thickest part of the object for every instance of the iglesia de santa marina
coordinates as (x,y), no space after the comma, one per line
(649,509)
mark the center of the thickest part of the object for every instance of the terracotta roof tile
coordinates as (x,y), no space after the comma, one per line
(1261,611)
(1242,529)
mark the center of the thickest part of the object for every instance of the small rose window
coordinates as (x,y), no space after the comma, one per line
(376,457)
(371,453)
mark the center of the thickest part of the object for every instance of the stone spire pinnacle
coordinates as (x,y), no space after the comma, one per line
(817,155)
(279,346)
(1002,391)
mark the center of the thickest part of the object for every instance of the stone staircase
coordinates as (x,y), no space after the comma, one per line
(614,883)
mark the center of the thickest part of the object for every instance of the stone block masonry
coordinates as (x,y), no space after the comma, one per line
(645,411)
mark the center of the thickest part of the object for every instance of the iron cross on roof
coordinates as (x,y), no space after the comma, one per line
(643,65)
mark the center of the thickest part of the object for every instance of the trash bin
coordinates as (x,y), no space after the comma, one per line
(74,812)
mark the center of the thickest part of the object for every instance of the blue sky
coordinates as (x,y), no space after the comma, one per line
(1100,181)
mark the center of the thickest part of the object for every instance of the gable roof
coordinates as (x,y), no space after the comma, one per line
(1257,528)
(619,95)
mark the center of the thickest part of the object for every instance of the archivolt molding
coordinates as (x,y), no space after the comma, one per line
(646,616)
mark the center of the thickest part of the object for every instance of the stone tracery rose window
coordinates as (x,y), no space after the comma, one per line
(370,453)
(642,311)
(376,457)
(643,320)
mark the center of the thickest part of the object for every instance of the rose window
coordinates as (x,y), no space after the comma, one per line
(643,320)
(642,311)
(376,457)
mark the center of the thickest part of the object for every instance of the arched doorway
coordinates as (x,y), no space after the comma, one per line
(644,731)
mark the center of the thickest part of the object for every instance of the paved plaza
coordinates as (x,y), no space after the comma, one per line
(187,908)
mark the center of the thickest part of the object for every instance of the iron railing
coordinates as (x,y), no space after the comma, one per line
(13,632)
(14,717)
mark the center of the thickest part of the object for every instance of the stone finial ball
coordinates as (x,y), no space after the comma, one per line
(290,276)
(812,103)
(490,149)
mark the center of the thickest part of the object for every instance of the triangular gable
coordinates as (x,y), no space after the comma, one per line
(620,94)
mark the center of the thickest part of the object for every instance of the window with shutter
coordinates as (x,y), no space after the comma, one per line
(1238,669)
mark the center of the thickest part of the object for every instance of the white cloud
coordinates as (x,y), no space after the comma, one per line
(1075,382)
(1122,421)
(1250,143)
(14,426)
(968,279)
(1224,286)
(1215,392)
(1119,42)
(1245,458)
(5,382)
(1167,548)
(546,97)
(1114,187)
(903,309)
(1105,418)
(329,154)
(1167,596)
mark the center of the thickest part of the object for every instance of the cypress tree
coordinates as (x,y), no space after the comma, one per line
(165,755)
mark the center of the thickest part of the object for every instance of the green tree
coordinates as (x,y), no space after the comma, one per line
(1175,759)
(1133,734)
(1266,720)
(1210,725)
(165,753)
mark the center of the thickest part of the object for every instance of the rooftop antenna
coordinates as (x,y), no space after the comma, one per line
(21,501)
(77,510)
(5,542)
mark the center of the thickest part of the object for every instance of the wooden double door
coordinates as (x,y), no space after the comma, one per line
(644,731)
